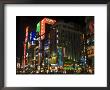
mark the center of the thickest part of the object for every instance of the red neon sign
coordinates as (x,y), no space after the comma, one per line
(43,22)
(91,26)
(26,34)
(25,45)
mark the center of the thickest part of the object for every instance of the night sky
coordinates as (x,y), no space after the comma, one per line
(23,21)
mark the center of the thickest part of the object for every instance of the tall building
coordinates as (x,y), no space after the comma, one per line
(90,40)
(46,42)
(68,42)
(87,44)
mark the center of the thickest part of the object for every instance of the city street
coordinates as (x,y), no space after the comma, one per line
(55,45)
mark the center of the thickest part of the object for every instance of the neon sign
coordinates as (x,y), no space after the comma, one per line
(41,25)
(33,36)
(38,27)
(26,37)
(91,26)
(26,34)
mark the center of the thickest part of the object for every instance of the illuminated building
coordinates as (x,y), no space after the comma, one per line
(32,46)
(45,41)
(90,40)
(68,41)
(87,43)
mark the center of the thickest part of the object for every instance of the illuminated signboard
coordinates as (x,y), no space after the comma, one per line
(42,32)
(42,24)
(38,27)
(26,34)
(91,26)
(90,51)
(26,38)
(60,56)
(53,59)
(24,54)
(33,36)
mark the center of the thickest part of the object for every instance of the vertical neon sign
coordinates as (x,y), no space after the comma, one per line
(42,32)
(60,56)
(24,54)
(26,34)
(26,37)
(91,26)
(38,27)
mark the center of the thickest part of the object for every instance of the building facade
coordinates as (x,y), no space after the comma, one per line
(68,42)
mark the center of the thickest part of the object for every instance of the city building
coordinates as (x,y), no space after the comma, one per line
(90,40)
(68,43)
(87,45)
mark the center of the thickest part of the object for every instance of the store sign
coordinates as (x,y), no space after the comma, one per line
(38,27)
(26,34)
(41,26)
(90,51)
(91,26)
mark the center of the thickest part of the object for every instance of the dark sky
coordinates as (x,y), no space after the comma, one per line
(23,21)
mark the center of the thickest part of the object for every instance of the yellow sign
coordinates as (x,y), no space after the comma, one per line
(90,51)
